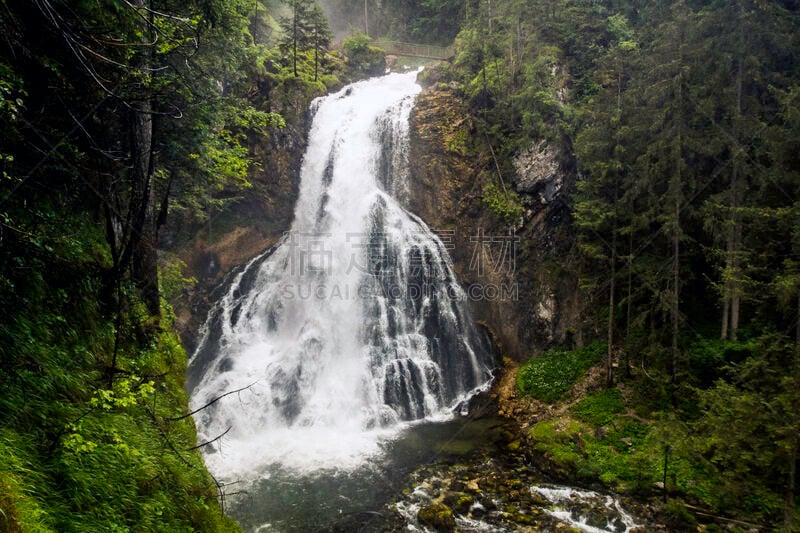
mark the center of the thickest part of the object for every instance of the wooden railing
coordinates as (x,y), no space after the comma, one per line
(427,51)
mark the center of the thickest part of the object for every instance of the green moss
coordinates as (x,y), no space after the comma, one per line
(463,504)
(438,516)
(559,439)
(628,456)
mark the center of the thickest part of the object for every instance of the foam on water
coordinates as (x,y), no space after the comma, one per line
(571,505)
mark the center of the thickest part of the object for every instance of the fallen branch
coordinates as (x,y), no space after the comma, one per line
(215,439)
(700,511)
(212,402)
(497,166)
(168,442)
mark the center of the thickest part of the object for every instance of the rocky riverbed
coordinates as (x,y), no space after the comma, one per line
(501,485)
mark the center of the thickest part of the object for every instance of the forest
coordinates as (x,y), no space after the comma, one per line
(128,126)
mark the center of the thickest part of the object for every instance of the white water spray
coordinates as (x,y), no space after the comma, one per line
(354,325)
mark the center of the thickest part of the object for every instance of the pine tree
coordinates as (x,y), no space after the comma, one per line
(320,36)
(602,149)
(664,161)
(296,28)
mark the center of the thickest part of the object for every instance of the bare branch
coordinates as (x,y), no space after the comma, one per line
(212,402)
(215,439)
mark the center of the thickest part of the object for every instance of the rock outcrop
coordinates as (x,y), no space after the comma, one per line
(247,226)
(515,275)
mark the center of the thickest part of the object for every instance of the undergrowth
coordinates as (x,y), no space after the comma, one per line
(505,205)
(550,376)
(599,440)
(83,448)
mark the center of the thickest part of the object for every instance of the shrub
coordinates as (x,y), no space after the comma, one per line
(503,204)
(172,278)
(363,60)
(678,518)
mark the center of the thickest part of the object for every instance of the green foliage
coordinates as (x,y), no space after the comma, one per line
(173,279)
(11,93)
(550,376)
(622,456)
(503,204)
(678,518)
(363,60)
(423,21)
(749,425)
(624,453)
(600,408)
(83,448)
(681,119)
(306,29)
(459,142)
(731,457)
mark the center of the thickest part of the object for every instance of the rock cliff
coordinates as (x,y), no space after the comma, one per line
(514,274)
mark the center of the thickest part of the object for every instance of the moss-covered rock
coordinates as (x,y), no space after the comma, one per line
(463,504)
(438,516)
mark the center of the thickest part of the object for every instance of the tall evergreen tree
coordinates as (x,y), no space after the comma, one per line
(602,149)
(297,29)
(320,36)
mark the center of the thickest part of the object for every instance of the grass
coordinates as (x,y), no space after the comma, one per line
(549,377)
(599,409)
(598,441)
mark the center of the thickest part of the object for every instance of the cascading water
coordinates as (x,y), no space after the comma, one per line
(354,324)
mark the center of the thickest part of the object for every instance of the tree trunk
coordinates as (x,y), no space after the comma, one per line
(736,297)
(316,53)
(611,303)
(611,298)
(144,265)
(366,19)
(791,482)
(726,295)
(628,306)
(676,233)
(736,291)
(789,505)
(579,341)
(255,25)
(733,296)
(294,37)
(612,292)
(675,287)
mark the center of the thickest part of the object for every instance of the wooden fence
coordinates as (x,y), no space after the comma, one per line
(427,51)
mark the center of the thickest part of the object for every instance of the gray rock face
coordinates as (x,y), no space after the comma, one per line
(538,172)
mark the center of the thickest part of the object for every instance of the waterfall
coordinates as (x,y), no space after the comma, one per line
(350,328)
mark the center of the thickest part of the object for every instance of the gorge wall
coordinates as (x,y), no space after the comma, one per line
(247,225)
(516,274)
